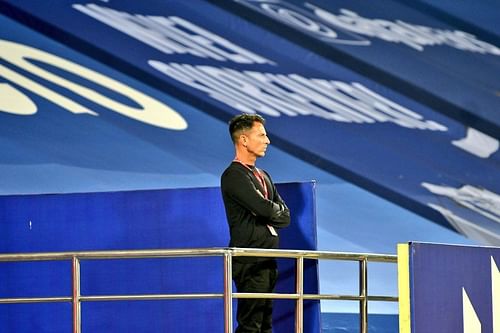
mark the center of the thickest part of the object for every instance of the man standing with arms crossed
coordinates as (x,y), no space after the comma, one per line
(255,212)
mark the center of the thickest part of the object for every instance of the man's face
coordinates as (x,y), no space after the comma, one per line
(256,140)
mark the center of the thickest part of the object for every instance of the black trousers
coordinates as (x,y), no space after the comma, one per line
(255,315)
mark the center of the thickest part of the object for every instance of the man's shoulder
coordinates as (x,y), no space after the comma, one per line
(234,169)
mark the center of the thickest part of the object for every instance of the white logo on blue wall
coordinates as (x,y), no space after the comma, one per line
(298,17)
(471,320)
(477,143)
(251,91)
(15,102)
(348,27)
(173,35)
(295,95)
(151,111)
(473,198)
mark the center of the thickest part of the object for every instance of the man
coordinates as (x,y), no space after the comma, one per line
(255,212)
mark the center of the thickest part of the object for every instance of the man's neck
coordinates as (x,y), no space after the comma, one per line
(246,158)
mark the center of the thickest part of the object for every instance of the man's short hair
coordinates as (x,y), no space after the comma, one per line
(243,122)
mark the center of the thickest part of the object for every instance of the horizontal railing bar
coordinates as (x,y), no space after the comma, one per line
(350,297)
(200,252)
(315,297)
(35,300)
(266,295)
(194,296)
(148,297)
(275,253)
(114,254)
(383,298)
(333,297)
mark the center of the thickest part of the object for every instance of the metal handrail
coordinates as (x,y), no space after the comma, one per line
(227,295)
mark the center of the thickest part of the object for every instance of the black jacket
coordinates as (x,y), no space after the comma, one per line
(248,212)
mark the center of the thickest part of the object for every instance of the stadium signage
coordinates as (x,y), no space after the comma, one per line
(173,34)
(461,281)
(151,111)
(254,91)
(472,200)
(191,49)
(337,28)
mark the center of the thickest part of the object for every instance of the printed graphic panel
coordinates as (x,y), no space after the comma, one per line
(439,64)
(454,288)
(317,110)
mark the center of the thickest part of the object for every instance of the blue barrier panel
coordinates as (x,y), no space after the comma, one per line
(340,121)
(183,218)
(452,288)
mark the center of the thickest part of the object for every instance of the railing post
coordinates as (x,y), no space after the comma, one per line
(228,292)
(77,310)
(299,289)
(363,293)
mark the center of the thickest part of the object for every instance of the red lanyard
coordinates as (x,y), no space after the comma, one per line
(257,173)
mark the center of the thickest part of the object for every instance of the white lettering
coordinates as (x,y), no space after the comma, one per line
(173,35)
(294,95)
(197,79)
(480,200)
(297,19)
(150,112)
(470,229)
(348,27)
(477,143)
(15,102)
(414,36)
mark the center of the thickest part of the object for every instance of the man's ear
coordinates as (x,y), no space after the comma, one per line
(243,140)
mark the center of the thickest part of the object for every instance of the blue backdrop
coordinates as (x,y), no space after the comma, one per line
(437,275)
(184,218)
(55,151)
(435,69)
(390,160)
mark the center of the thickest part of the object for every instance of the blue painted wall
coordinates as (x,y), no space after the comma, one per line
(182,218)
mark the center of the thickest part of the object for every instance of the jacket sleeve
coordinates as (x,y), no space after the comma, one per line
(282,218)
(239,186)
